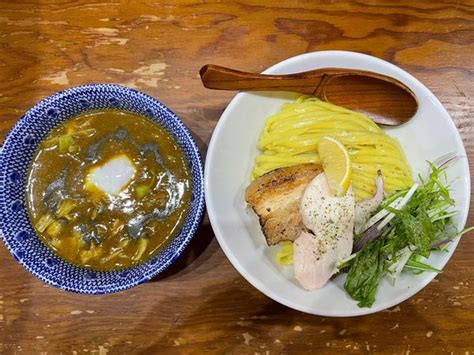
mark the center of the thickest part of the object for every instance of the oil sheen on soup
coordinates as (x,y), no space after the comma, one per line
(108,189)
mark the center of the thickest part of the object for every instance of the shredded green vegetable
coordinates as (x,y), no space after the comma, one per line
(55,228)
(44,222)
(425,220)
(65,207)
(65,141)
(144,189)
(142,245)
(367,269)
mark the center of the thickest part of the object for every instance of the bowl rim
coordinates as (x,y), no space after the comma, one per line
(194,221)
(253,280)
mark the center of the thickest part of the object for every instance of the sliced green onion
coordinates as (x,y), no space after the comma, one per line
(65,141)
(344,262)
(418,265)
(142,190)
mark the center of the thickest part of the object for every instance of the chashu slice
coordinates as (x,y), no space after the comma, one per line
(275,198)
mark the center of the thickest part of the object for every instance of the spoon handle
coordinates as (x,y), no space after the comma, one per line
(221,78)
(309,82)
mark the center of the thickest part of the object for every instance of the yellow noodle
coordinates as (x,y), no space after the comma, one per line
(291,137)
(280,158)
(284,256)
(390,179)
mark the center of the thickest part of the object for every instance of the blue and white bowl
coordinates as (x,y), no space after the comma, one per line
(18,150)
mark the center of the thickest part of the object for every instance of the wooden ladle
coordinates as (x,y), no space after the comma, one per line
(384,99)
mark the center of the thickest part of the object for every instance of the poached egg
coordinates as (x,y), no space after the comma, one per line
(112,176)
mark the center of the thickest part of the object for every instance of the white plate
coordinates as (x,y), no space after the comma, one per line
(230,159)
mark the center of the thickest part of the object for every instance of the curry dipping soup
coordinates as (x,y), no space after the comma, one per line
(108,189)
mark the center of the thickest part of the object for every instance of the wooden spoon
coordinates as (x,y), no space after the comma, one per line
(384,99)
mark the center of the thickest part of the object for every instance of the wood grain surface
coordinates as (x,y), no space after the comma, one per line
(202,304)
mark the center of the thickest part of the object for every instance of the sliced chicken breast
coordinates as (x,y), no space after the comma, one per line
(330,221)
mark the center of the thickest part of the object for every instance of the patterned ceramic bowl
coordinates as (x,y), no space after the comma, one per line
(18,149)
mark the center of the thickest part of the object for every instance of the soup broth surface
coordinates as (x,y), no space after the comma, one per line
(107,190)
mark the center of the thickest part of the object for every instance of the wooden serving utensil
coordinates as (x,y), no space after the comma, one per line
(384,99)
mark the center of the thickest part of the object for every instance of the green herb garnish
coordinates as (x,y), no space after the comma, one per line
(423,223)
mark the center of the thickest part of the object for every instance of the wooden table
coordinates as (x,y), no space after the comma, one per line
(201,304)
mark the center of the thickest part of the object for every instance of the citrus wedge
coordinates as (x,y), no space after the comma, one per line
(336,165)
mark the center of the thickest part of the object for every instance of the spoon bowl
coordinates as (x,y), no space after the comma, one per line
(384,99)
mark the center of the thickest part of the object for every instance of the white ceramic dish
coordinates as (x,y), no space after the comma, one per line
(230,159)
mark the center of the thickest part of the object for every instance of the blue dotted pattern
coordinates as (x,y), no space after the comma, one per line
(18,150)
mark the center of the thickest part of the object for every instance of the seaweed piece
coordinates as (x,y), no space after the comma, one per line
(175,193)
(88,234)
(53,193)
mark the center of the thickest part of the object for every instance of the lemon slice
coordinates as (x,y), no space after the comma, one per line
(336,165)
